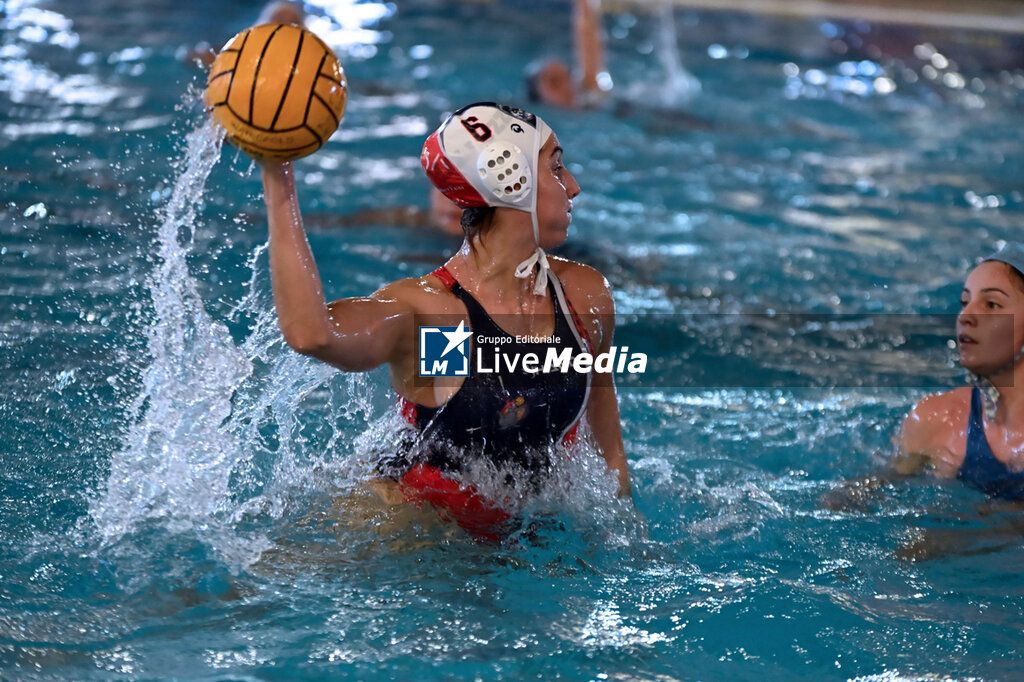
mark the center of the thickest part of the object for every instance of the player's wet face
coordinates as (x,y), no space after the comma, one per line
(556,189)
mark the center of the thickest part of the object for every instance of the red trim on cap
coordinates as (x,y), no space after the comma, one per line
(446,177)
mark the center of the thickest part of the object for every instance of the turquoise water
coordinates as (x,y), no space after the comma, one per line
(181,496)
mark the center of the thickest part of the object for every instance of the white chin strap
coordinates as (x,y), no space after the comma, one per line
(538,258)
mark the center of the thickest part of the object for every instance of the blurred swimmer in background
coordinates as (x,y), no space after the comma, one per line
(660,105)
(976,433)
(283,12)
(551,81)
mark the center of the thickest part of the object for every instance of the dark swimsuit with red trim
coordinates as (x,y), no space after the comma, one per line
(510,418)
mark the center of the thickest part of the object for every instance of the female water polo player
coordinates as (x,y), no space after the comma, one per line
(501,292)
(976,433)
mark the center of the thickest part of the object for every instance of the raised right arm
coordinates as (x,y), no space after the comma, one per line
(588,43)
(353,334)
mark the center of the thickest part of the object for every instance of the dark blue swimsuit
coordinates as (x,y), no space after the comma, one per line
(981,469)
(507,417)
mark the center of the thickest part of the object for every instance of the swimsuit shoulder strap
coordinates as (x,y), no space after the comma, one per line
(981,468)
(562,305)
(477,313)
(978,449)
(478,317)
(570,313)
(976,411)
(446,277)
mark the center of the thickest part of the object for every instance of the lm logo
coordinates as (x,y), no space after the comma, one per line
(444,351)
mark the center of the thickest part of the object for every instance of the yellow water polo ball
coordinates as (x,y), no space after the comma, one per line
(278,91)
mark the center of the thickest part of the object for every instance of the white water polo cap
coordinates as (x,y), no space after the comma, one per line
(485,154)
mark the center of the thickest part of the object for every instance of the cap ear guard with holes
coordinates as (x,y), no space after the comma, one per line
(505,171)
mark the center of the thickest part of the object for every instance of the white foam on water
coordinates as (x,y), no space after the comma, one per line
(215,439)
(680,85)
(677,86)
(172,466)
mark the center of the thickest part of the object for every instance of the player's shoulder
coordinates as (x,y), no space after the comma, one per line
(934,433)
(422,294)
(941,408)
(583,283)
(936,421)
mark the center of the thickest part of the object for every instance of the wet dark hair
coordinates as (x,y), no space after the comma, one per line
(532,83)
(475,220)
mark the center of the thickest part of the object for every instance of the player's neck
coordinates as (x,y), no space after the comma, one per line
(491,259)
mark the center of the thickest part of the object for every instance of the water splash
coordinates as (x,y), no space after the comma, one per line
(203,410)
(173,464)
(227,436)
(219,440)
(679,86)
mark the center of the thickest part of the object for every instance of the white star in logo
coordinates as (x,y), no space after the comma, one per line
(456,338)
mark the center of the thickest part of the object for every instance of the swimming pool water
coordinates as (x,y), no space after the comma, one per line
(181,497)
